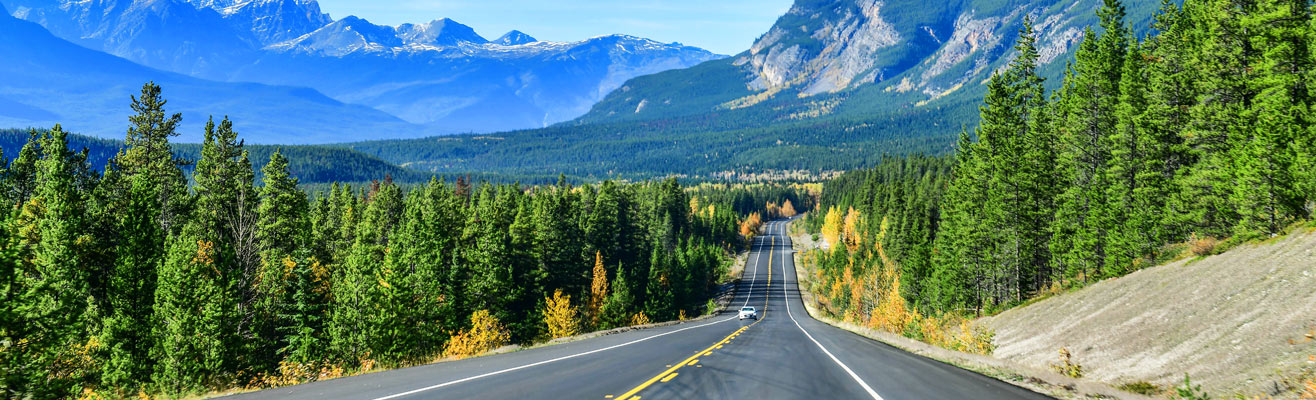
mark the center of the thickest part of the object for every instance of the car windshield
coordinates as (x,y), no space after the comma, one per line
(747,309)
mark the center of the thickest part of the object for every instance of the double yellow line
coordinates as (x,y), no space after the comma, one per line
(671,373)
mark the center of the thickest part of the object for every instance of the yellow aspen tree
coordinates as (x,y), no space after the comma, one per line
(851,231)
(560,316)
(486,333)
(831,229)
(694,205)
(598,290)
(788,209)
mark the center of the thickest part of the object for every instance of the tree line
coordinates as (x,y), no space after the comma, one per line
(1199,131)
(145,278)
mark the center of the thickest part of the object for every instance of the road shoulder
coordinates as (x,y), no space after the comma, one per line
(1046,382)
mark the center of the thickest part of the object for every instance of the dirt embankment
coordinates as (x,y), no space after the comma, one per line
(1230,321)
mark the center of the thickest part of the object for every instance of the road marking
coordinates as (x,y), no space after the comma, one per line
(536,364)
(670,377)
(630,395)
(847,369)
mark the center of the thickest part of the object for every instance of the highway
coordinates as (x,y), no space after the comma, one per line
(786,354)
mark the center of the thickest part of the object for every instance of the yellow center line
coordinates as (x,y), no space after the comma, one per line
(671,373)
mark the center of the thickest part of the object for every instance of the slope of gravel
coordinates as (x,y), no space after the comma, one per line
(1227,320)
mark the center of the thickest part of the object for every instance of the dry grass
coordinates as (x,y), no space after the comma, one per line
(1203,247)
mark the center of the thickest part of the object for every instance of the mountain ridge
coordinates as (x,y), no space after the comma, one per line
(35,82)
(442,75)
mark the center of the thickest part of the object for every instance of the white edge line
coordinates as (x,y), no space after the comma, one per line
(754,277)
(847,369)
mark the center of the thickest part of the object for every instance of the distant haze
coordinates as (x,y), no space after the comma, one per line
(721,26)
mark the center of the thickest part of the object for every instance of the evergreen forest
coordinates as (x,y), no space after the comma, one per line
(157,274)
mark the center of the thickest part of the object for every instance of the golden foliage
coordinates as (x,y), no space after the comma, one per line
(640,319)
(598,289)
(788,209)
(560,316)
(694,205)
(1067,366)
(851,232)
(76,360)
(750,226)
(485,334)
(831,228)
(205,253)
(875,299)
(293,373)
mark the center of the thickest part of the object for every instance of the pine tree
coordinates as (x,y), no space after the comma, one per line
(1267,194)
(1086,147)
(195,310)
(53,289)
(152,203)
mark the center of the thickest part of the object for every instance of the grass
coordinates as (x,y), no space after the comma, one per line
(1141,387)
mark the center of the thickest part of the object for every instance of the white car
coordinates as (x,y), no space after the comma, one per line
(749,312)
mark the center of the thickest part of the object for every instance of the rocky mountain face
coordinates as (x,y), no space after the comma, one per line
(440,75)
(827,57)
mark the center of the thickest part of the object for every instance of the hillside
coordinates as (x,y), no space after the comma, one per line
(858,79)
(856,58)
(309,164)
(1226,320)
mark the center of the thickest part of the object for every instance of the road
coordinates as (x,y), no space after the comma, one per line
(786,354)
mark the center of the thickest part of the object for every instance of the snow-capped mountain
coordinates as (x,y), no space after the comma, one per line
(514,38)
(441,74)
(46,80)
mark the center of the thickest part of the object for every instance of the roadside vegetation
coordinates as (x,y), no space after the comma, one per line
(1185,143)
(159,276)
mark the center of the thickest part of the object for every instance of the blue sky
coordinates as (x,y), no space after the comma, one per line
(722,26)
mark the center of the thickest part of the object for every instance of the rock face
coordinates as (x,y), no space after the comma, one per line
(836,52)
(896,54)
(441,74)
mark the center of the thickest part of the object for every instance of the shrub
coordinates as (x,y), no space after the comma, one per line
(292,373)
(1202,247)
(485,334)
(640,319)
(1190,392)
(560,316)
(1067,366)
(1141,387)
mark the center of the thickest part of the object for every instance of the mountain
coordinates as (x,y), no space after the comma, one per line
(164,34)
(442,75)
(440,32)
(833,85)
(46,80)
(470,85)
(270,21)
(861,58)
(514,38)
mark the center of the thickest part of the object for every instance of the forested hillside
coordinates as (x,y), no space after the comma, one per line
(1199,133)
(309,164)
(149,278)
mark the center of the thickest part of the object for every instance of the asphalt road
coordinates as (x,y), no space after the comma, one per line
(786,354)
